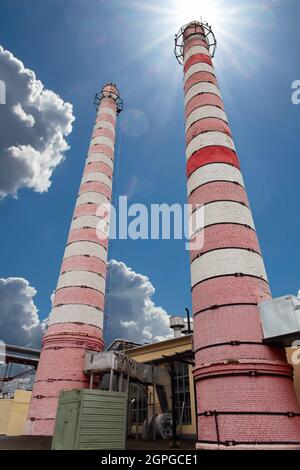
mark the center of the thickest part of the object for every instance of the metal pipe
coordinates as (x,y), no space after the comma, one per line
(137,413)
(120,382)
(22,349)
(154,414)
(91,380)
(217,426)
(147,413)
(111,378)
(188,320)
(128,407)
(173,395)
(18,359)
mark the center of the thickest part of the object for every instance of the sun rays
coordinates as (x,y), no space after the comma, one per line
(231,21)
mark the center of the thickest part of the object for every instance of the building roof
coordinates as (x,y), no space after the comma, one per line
(161,349)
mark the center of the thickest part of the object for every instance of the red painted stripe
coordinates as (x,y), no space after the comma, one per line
(196,58)
(228,290)
(218,191)
(88,234)
(206,125)
(204,99)
(212,154)
(191,30)
(61,328)
(227,236)
(98,167)
(194,41)
(101,148)
(199,77)
(106,117)
(85,209)
(84,263)
(107,103)
(258,353)
(102,131)
(246,317)
(95,186)
(79,295)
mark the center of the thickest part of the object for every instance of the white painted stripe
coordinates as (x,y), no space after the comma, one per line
(201,87)
(104,125)
(199,67)
(106,110)
(100,157)
(90,221)
(81,279)
(208,139)
(85,248)
(97,176)
(102,140)
(91,197)
(195,35)
(205,112)
(225,262)
(195,50)
(214,172)
(224,212)
(76,314)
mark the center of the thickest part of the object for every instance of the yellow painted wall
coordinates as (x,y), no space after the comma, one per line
(153,351)
(289,352)
(18,413)
(5,408)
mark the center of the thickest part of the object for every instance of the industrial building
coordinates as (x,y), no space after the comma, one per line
(14,410)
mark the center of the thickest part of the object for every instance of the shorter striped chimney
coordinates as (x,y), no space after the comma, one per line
(76,320)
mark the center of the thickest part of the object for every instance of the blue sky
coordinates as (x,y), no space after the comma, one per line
(75,46)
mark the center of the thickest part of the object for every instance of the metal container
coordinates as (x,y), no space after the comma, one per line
(100,362)
(90,420)
(280,319)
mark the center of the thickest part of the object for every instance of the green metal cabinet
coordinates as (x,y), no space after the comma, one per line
(90,419)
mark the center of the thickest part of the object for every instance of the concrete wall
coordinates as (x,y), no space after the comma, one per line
(289,352)
(13,413)
(5,408)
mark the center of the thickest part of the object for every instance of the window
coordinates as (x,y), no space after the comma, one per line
(138,403)
(182,392)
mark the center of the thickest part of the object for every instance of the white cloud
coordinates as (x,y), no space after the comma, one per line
(19,320)
(131,314)
(129,324)
(34,123)
(27,118)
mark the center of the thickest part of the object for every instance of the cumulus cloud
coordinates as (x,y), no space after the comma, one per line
(131,313)
(19,320)
(34,123)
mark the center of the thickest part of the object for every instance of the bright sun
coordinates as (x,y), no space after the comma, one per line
(189,10)
(231,22)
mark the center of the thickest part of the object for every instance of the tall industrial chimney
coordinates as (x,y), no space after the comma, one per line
(245,394)
(76,319)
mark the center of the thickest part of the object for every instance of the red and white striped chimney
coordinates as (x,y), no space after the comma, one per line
(244,389)
(76,319)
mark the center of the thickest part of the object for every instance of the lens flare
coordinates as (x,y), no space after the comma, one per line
(232,22)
